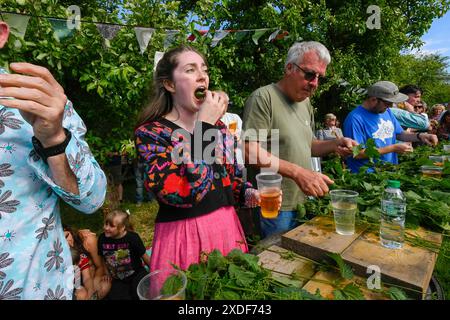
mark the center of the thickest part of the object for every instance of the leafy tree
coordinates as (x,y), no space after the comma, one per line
(108,81)
(426,71)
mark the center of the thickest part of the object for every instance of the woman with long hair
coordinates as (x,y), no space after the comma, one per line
(196,182)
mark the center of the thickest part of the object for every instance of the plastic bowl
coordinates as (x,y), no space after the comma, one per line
(438,160)
(431,171)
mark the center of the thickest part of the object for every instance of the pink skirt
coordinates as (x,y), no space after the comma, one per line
(182,242)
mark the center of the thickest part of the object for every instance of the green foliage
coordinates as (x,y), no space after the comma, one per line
(427,198)
(344,269)
(237,277)
(108,81)
(426,71)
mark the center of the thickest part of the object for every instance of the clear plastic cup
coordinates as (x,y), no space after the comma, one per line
(344,203)
(431,171)
(167,284)
(269,187)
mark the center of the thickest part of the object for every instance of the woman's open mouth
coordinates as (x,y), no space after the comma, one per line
(200,93)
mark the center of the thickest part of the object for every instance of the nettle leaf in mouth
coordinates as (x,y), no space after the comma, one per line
(200,92)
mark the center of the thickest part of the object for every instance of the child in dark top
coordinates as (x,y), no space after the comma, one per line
(123,252)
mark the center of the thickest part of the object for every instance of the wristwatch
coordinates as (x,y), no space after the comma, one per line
(45,153)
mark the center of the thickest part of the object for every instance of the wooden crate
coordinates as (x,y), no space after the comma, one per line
(321,281)
(410,267)
(317,237)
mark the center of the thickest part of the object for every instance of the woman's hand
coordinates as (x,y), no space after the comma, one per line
(253,198)
(213,107)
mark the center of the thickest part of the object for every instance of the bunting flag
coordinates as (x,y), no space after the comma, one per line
(158,56)
(193,37)
(108,31)
(273,35)
(258,34)
(60,30)
(143,36)
(219,35)
(170,38)
(17,23)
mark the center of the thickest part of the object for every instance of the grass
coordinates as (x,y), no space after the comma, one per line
(142,217)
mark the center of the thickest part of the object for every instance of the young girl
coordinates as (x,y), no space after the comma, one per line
(123,252)
(196,195)
(91,269)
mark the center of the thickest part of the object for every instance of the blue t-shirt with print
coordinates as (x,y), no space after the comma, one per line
(361,124)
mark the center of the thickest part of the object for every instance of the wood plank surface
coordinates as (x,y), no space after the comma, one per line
(411,267)
(317,237)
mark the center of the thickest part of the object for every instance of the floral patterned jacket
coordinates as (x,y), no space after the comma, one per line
(180,173)
(35,260)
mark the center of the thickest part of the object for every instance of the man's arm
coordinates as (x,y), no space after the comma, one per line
(310,182)
(411,120)
(341,146)
(428,138)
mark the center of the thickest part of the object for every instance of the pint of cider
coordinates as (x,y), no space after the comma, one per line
(232,127)
(269,203)
(269,187)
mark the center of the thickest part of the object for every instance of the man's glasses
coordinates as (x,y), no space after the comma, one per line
(386,103)
(310,75)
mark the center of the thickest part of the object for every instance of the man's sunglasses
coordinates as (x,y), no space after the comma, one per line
(310,75)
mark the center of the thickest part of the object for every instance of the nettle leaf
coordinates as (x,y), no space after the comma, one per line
(411,195)
(373,213)
(245,259)
(349,292)
(357,149)
(242,277)
(371,149)
(397,294)
(172,285)
(344,269)
(216,261)
(229,295)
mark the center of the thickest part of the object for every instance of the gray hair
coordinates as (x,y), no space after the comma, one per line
(298,50)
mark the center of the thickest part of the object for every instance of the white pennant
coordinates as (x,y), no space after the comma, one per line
(18,25)
(143,36)
(170,37)
(108,31)
(273,35)
(219,35)
(158,56)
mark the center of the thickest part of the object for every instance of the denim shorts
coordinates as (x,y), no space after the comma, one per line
(285,221)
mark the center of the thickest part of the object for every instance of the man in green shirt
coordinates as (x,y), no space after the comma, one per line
(285,111)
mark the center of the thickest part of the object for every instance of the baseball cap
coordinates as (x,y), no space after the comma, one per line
(387,91)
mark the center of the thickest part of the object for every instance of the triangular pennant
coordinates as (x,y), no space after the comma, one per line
(192,36)
(241,34)
(60,30)
(258,34)
(218,35)
(158,56)
(143,36)
(273,35)
(108,31)
(17,23)
(170,37)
